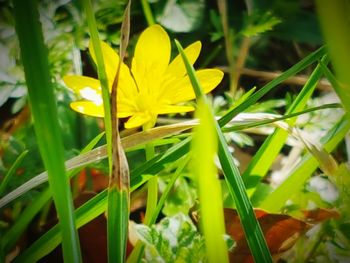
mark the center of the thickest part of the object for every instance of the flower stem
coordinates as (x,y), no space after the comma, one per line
(148,12)
(152,185)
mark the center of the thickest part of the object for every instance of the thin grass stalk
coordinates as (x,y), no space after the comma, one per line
(275,201)
(311,58)
(267,153)
(11,171)
(43,106)
(204,149)
(12,235)
(229,39)
(334,19)
(252,230)
(148,12)
(46,243)
(101,72)
(246,102)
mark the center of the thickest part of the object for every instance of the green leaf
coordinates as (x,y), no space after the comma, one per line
(180,16)
(253,232)
(258,23)
(43,106)
(173,239)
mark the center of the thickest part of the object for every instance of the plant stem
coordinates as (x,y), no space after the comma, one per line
(152,185)
(228,36)
(148,12)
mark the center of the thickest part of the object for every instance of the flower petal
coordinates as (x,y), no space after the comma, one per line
(137,120)
(181,90)
(126,87)
(151,59)
(77,83)
(166,109)
(88,108)
(110,58)
(177,67)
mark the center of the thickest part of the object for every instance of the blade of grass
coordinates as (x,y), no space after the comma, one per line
(274,118)
(119,181)
(252,230)
(11,171)
(12,235)
(138,250)
(148,136)
(43,106)
(46,243)
(205,171)
(98,205)
(267,153)
(138,139)
(294,183)
(147,12)
(101,72)
(334,20)
(311,58)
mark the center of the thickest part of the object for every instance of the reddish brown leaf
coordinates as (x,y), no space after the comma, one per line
(280,231)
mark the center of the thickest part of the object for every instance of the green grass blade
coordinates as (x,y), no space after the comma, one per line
(117,224)
(267,153)
(272,84)
(43,106)
(294,183)
(11,171)
(204,148)
(45,244)
(102,76)
(253,232)
(334,19)
(270,119)
(12,235)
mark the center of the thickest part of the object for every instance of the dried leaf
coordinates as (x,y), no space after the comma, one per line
(280,231)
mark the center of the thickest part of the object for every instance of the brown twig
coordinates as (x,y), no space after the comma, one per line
(299,80)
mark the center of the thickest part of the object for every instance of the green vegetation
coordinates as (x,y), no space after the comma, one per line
(174,131)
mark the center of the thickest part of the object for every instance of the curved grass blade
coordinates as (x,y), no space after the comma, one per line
(296,180)
(43,106)
(51,239)
(254,235)
(272,84)
(100,153)
(11,171)
(140,138)
(12,235)
(267,153)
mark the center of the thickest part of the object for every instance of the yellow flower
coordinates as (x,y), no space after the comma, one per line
(151,87)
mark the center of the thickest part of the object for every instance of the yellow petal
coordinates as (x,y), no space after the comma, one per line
(87,88)
(88,108)
(137,120)
(166,109)
(181,90)
(151,58)
(177,67)
(77,83)
(110,58)
(126,86)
